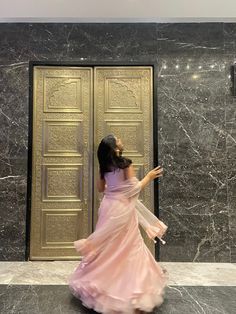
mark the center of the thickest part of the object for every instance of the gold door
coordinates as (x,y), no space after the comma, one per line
(123,106)
(67,128)
(61,208)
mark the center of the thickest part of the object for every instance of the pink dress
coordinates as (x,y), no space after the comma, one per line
(118,273)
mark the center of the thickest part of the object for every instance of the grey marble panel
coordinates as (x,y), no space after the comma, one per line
(76,42)
(230,54)
(13,158)
(192,92)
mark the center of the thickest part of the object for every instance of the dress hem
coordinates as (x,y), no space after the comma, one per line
(102,302)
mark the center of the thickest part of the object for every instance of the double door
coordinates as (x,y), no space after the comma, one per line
(73,109)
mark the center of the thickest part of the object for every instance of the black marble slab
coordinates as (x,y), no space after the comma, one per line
(196,123)
(230,116)
(193,101)
(50,299)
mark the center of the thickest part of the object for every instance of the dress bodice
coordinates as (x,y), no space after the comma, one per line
(114,177)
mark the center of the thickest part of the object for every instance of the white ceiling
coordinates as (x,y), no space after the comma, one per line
(117,10)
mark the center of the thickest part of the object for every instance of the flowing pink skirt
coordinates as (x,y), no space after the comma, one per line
(118,273)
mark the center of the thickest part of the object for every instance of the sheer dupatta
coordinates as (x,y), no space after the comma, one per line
(130,189)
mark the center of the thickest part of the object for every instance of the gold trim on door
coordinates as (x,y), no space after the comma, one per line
(67,129)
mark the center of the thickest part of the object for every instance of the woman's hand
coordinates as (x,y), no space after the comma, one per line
(155,173)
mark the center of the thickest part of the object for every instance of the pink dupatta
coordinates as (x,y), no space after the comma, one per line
(130,189)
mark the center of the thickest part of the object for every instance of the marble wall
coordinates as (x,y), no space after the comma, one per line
(196,124)
(197,140)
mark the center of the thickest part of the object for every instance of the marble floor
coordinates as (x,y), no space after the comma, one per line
(41,287)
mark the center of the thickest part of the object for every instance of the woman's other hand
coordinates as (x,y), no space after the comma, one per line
(153,174)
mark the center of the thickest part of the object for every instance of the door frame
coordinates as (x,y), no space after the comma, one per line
(86,63)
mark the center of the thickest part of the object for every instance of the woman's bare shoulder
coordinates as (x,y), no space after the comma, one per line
(129,172)
(101,184)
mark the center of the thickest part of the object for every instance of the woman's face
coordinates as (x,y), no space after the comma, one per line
(119,144)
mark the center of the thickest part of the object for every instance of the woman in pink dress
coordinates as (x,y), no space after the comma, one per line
(118,273)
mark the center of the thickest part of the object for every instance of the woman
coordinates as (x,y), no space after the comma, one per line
(118,274)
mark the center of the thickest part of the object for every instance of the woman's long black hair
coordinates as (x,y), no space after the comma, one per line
(107,157)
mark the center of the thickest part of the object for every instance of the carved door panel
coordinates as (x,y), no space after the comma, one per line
(123,106)
(67,128)
(61,208)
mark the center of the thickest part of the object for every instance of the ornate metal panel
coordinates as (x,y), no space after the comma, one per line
(61,209)
(123,106)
